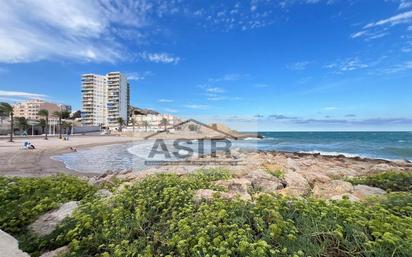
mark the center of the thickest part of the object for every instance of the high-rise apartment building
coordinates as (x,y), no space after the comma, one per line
(29,109)
(105,98)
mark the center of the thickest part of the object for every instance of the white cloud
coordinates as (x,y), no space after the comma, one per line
(405,17)
(169,110)
(163,100)
(93,30)
(197,106)
(138,75)
(297,66)
(405,4)
(160,58)
(330,108)
(349,64)
(16,96)
(406,66)
(228,77)
(215,90)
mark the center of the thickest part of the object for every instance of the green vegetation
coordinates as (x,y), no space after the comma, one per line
(158,217)
(390,181)
(274,170)
(22,200)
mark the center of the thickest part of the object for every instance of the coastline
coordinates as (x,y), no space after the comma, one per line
(35,163)
(39,162)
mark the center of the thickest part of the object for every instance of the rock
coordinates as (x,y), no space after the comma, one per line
(316,177)
(296,185)
(332,189)
(204,195)
(236,184)
(56,252)
(350,197)
(363,191)
(49,221)
(265,182)
(381,167)
(292,164)
(9,246)
(103,193)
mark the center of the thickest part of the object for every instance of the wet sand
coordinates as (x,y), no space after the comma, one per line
(15,161)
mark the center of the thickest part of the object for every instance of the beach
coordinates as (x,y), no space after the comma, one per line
(15,161)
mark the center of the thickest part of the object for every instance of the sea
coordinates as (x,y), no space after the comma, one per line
(376,145)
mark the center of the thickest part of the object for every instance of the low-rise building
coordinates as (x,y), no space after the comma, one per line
(151,120)
(29,109)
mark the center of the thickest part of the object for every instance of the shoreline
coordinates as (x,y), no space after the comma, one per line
(39,162)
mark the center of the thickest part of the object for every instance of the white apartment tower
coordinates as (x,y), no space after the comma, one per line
(105,98)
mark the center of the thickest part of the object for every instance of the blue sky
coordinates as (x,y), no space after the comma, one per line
(258,64)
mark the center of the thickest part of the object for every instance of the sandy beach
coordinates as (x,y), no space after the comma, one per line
(15,161)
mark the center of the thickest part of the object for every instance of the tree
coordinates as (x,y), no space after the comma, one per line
(7,110)
(120,121)
(22,124)
(2,115)
(76,115)
(145,124)
(133,121)
(65,126)
(164,122)
(61,115)
(45,114)
(42,124)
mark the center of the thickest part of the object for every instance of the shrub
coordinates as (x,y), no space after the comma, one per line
(22,200)
(158,217)
(274,170)
(389,181)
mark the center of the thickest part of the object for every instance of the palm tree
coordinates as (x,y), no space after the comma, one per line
(65,125)
(164,122)
(2,115)
(7,110)
(61,115)
(45,113)
(42,124)
(120,121)
(145,124)
(22,124)
(133,121)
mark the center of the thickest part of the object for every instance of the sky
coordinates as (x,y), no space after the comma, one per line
(286,65)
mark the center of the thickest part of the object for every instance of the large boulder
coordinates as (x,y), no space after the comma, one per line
(316,177)
(296,185)
(9,246)
(49,221)
(292,165)
(332,190)
(264,182)
(363,191)
(381,167)
(103,193)
(236,187)
(56,252)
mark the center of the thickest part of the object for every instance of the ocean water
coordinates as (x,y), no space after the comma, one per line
(380,145)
